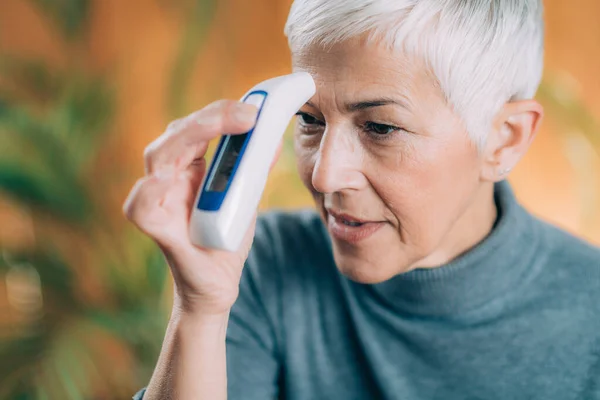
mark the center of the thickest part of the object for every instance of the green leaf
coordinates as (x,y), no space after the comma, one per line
(18,355)
(23,356)
(142,328)
(57,279)
(83,117)
(69,15)
(45,193)
(31,81)
(137,275)
(73,121)
(156,271)
(18,390)
(33,147)
(64,367)
(21,125)
(197,24)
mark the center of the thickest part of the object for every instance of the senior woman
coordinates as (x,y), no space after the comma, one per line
(419,276)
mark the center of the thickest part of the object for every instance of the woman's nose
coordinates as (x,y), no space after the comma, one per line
(338,165)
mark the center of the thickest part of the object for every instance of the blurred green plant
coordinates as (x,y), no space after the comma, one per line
(64,342)
(69,15)
(199,14)
(68,343)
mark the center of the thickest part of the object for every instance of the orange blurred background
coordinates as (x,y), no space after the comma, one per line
(135,44)
(162,59)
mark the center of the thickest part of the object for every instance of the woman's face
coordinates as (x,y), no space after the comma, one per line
(391,168)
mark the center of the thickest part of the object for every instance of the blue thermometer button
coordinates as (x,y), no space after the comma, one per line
(227,159)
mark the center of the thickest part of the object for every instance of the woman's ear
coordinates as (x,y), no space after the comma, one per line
(514,128)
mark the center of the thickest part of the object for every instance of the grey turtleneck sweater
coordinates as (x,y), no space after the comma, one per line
(517,317)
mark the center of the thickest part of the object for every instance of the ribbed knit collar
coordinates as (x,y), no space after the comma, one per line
(487,272)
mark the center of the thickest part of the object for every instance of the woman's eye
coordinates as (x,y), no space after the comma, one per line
(380,129)
(309,120)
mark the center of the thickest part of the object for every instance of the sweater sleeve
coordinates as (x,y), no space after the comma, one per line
(253,361)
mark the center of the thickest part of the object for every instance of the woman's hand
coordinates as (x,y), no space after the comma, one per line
(160,205)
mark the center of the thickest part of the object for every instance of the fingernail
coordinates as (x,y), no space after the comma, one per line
(244,113)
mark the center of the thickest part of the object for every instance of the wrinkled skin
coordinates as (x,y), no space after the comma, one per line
(406,166)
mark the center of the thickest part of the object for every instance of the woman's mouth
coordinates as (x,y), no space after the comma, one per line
(351,229)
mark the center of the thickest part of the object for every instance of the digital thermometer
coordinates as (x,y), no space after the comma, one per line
(233,186)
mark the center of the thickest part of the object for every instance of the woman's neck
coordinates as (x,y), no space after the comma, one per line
(472,227)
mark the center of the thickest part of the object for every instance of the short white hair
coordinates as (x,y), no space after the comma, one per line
(483,53)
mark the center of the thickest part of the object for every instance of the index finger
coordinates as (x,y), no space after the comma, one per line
(187,139)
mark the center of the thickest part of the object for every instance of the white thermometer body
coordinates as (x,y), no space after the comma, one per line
(232,188)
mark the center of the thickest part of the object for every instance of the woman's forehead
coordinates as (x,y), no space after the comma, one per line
(355,57)
(351,68)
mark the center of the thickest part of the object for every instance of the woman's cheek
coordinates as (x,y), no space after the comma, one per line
(305,159)
(398,177)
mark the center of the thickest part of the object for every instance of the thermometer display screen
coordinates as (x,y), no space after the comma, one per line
(226,161)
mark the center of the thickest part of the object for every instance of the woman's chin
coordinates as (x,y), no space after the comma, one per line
(368,270)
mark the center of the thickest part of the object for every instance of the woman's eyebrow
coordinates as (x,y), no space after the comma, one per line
(362,105)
